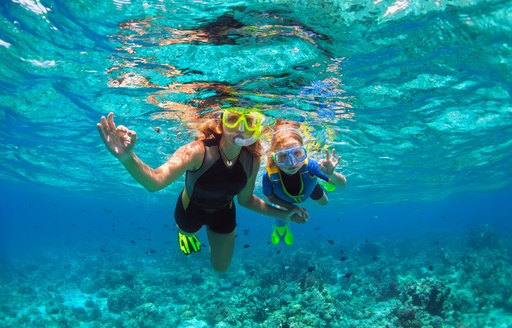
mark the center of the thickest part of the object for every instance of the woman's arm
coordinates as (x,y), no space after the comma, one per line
(185,158)
(121,141)
(278,201)
(247,199)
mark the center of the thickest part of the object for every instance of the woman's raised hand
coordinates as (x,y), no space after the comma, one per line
(119,140)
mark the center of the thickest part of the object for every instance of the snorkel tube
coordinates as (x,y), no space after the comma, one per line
(244,142)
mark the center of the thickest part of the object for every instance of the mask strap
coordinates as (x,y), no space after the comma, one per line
(287,129)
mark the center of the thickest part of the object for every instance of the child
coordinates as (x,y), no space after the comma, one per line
(291,176)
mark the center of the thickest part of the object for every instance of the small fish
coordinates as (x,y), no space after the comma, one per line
(133,241)
(343,258)
(311,268)
(347,275)
(342,251)
(247,246)
(317,228)
(152,251)
(278,251)
(431,267)
(330,241)
(246,232)
(102,250)
(375,258)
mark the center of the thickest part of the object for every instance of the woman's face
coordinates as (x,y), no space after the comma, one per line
(243,125)
(287,144)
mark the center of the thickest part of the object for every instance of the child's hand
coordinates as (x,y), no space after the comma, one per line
(328,164)
(298,215)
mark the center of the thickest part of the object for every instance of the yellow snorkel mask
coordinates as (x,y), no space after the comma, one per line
(244,119)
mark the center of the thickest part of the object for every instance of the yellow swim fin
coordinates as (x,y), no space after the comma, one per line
(188,244)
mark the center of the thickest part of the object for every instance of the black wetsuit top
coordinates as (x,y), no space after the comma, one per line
(214,184)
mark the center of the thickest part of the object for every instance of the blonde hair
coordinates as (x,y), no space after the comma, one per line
(284,130)
(212,129)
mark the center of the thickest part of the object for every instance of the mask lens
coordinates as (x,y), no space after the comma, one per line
(280,157)
(299,153)
(251,121)
(231,119)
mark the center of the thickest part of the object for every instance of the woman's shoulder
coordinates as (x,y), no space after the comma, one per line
(194,146)
(193,152)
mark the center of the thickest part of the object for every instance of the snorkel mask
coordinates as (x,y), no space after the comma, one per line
(290,157)
(245,120)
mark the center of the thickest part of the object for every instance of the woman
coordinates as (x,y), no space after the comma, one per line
(292,177)
(222,164)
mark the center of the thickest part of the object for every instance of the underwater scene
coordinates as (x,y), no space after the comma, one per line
(414,97)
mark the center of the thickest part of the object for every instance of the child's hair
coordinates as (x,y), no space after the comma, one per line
(284,130)
(212,128)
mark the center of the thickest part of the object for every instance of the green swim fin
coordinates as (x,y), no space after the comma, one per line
(284,232)
(275,239)
(288,236)
(188,244)
(327,185)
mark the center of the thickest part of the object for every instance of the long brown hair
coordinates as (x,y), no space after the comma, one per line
(212,128)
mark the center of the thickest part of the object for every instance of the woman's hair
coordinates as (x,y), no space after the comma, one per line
(212,128)
(284,130)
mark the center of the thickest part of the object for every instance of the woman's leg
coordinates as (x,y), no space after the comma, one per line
(222,246)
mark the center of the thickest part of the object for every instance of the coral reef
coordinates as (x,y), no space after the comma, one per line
(384,283)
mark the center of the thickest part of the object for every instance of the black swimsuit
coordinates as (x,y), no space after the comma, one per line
(211,189)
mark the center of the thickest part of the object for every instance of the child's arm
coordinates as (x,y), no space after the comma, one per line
(328,165)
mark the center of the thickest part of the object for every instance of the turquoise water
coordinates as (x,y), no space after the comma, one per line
(415,97)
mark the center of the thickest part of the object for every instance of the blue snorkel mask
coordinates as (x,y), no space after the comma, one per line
(290,157)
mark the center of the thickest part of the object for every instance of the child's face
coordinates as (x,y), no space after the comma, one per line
(290,143)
